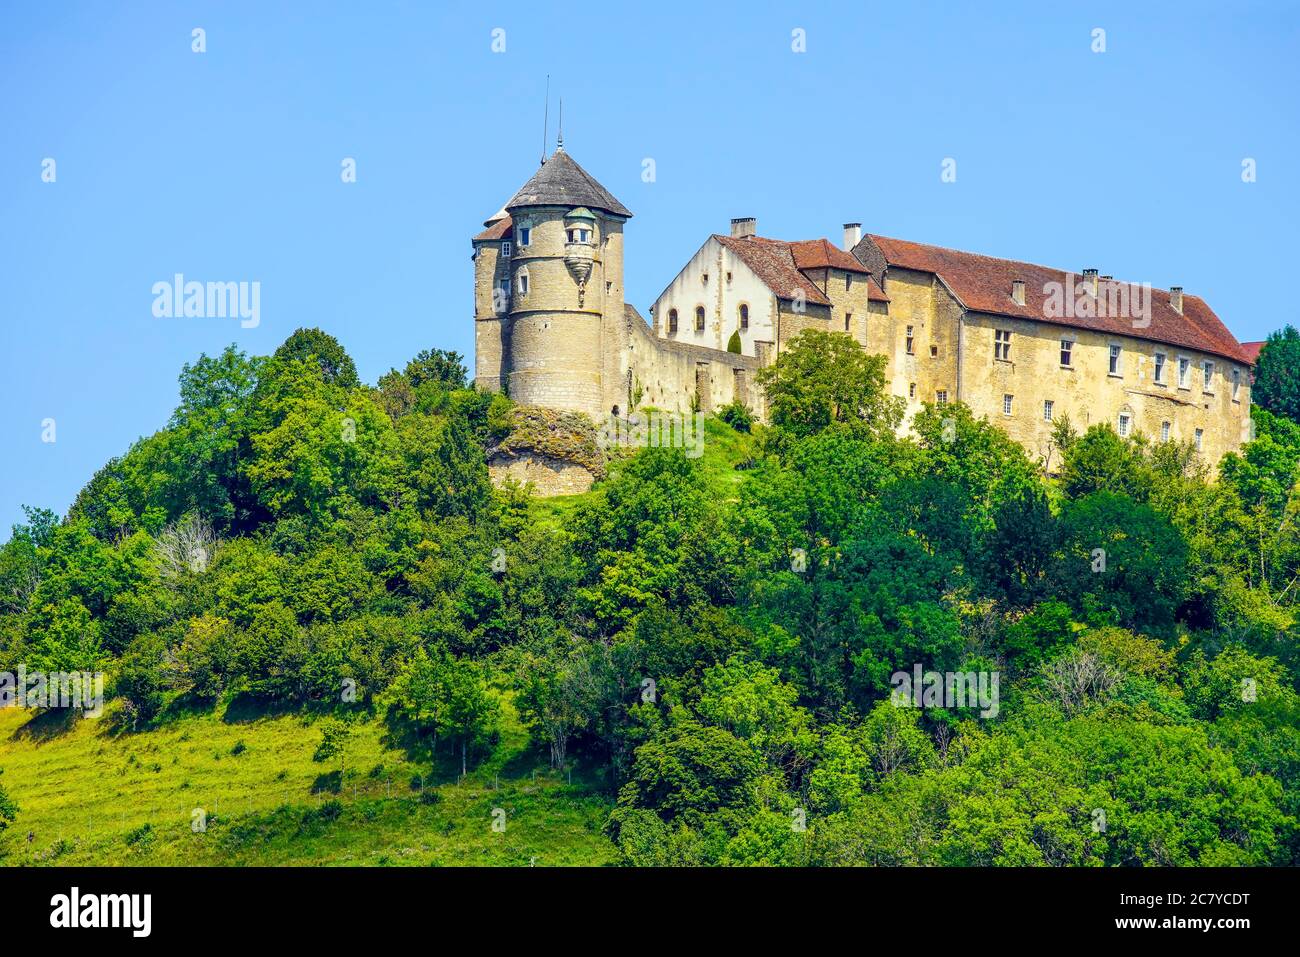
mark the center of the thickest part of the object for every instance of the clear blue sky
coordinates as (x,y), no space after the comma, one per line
(225,165)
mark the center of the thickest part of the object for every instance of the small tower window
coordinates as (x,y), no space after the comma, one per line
(524,234)
(699,318)
(672,321)
(744,315)
(911,340)
(579,234)
(522,282)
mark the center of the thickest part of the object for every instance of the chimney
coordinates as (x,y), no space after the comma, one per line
(852,235)
(1176,298)
(1090,280)
(744,227)
(1018,291)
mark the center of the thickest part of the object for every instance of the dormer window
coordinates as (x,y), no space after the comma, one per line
(579,234)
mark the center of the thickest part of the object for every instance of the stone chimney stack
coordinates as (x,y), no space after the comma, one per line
(1176,298)
(1018,291)
(744,227)
(1090,280)
(852,235)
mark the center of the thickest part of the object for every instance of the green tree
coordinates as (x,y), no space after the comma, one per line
(1277,374)
(336,366)
(825,378)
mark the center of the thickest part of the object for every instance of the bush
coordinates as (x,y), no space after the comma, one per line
(737,415)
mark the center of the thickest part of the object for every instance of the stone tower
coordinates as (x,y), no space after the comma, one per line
(550,327)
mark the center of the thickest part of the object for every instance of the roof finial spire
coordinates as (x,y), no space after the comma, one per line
(559,140)
(546,117)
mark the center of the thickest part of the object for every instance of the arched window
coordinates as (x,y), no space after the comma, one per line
(699,318)
(744,315)
(672,321)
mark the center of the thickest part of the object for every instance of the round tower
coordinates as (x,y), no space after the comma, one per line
(565,313)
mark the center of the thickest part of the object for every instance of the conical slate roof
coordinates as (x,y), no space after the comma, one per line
(562,182)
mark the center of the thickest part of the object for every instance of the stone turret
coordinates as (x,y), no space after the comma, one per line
(551,328)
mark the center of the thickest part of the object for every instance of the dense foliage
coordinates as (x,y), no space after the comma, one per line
(723,649)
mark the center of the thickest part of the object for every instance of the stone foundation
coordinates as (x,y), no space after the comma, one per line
(548,476)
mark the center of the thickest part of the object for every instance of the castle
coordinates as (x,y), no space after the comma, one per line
(1019,343)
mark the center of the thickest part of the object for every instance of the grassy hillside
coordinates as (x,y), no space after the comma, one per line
(91,796)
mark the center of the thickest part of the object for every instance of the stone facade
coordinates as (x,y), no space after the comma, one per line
(548,476)
(553,330)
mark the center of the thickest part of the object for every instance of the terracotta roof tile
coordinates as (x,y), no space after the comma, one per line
(781,265)
(773,262)
(1251,349)
(497,230)
(983,284)
(823,254)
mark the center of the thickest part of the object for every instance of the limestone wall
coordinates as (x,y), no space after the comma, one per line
(1088,393)
(720,282)
(670,373)
(548,476)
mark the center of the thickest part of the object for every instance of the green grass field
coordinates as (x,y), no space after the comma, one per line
(92,796)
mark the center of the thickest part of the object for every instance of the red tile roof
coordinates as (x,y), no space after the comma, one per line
(822,254)
(1252,350)
(983,284)
(497,230)
(780,265)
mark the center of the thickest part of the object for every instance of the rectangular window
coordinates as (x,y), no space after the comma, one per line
(1002,344)
(1184,371)
(525,235)
(911,341)
(1160,368)
(1164,431)
(506,250)
(1115,353)
(1207,376)
(1236,385)
(1067,352)
(1200,434)
(1006,404)
(941,397)
(523,284)
(848,320)
(1047,410)
(1125,421)
(911,390)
